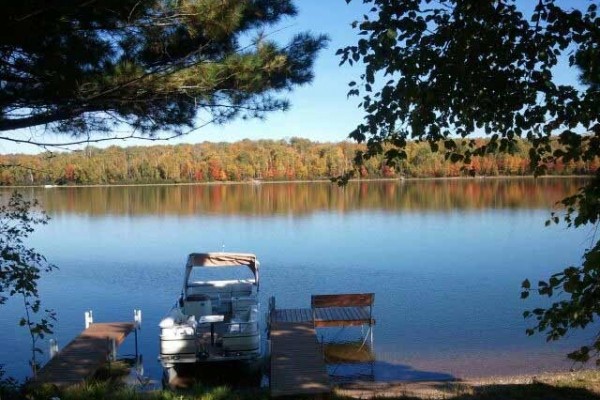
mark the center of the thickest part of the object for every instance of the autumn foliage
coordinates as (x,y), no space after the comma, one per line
(246,160)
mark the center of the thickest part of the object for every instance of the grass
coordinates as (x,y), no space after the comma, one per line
(112,390)
(113,371)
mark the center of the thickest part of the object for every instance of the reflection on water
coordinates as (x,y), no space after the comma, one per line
(348,352)
(445,260)
(305,198)
(350,361)
(381,371)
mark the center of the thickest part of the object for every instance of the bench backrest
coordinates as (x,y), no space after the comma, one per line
(342,300)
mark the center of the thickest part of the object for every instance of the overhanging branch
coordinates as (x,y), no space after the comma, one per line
(87,140)
(90,140)
(38,119)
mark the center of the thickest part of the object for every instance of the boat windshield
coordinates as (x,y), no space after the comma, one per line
(221,274)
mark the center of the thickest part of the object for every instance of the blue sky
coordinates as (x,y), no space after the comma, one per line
(319,111)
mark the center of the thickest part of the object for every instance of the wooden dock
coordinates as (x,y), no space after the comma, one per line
(297,366)
(297,363)
(83,356)
(325,317)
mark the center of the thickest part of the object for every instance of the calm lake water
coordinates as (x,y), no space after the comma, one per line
(444,258)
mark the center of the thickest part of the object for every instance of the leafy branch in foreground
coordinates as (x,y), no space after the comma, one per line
(578,285)
(9,386)
(21,266)
(79,68)
(435,71)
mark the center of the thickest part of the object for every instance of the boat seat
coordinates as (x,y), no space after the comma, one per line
(233,288)
(240,328)
(244,321)
(242,303)
(175,318)
(215,299)
(197,305)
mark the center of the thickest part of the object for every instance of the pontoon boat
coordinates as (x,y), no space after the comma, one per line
(214,320)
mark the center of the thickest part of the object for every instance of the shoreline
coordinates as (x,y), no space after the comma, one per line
(322,181)
(584,378)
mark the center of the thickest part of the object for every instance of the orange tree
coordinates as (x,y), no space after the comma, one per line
(442,70)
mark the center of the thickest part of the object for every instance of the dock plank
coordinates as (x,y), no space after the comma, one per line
(297,365)
(349,313)
(327,316)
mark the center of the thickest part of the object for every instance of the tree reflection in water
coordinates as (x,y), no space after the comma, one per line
(306,198)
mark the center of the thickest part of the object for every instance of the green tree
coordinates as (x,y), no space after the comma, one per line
(82,67)
(22,266)
(439,70)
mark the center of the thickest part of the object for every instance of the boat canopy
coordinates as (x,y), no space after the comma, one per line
(212,260)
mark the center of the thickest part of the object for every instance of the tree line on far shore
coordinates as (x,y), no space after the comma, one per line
(247,160)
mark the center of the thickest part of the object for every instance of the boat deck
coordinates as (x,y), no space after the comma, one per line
(84,355)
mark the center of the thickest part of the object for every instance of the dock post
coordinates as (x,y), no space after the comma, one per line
(137,318)
(137,324)
(89,318)
(53,348)
(271,305)
(270,315)
(113,349)
(139,365)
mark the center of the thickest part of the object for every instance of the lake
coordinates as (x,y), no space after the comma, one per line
(445,259)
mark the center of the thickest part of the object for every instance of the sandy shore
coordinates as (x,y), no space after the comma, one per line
(587,379)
